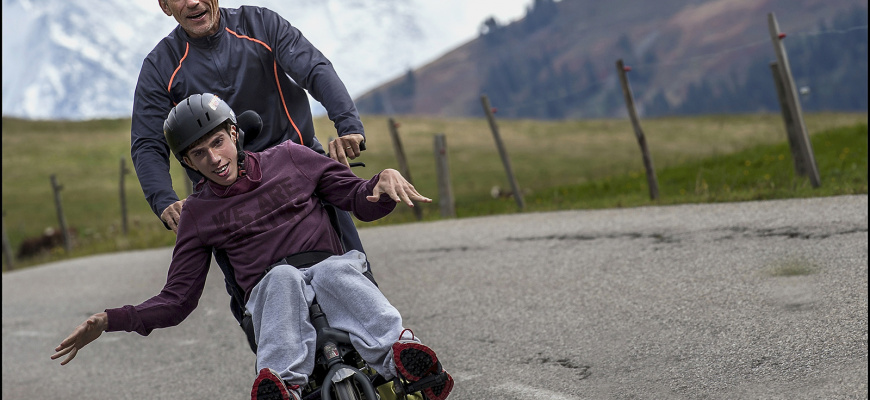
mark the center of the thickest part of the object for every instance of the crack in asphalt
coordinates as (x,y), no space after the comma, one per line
(450,249)
(788,232)
(583,370)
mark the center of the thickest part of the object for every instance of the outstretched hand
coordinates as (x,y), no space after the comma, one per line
(392,183)
(85,333)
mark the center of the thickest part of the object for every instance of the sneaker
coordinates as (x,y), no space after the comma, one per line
(270,386)
(414,361)
(439,392)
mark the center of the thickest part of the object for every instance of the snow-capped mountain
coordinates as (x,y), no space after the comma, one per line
(80,59)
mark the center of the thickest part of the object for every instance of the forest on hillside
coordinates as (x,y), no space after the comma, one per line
(830,67)
(544,67)
(830,70)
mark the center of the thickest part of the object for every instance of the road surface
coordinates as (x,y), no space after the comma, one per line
(718,301)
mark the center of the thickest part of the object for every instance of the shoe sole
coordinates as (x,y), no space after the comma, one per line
(266,388)
(414,360)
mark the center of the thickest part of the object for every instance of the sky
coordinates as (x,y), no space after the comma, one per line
(447,24)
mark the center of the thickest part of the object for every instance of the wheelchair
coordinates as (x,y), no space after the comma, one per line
(339,373)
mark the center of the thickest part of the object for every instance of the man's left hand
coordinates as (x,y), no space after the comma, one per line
(345,147)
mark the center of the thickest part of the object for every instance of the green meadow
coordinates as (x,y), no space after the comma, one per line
(558,165)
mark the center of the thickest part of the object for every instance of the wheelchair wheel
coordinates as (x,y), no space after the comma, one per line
(345,390)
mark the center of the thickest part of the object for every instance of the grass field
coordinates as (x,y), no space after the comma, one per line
(558,164)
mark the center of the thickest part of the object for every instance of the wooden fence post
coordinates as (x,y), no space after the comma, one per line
(124,171)
(651,179)
(793,103)
(7,248)
(67,244)
(790,129)
(403,161)
(515,187)
(445,189)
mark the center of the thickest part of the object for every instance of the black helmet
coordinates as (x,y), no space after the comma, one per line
(194,118)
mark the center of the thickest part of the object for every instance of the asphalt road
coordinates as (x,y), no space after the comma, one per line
(759,300)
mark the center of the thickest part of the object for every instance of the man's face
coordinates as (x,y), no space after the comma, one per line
(216,158)
(199,18)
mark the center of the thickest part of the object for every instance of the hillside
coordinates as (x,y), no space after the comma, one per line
(559,61)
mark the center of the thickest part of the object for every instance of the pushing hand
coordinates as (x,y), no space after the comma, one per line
(345,147)
(172,214)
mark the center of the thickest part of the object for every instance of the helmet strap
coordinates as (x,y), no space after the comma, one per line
(242,171)
(241,157)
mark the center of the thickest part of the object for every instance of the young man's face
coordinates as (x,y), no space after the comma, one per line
(216,158)
(199,18)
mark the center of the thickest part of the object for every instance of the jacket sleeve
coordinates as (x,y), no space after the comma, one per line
(335,183)
(184,286)
(313,71)
(148,148)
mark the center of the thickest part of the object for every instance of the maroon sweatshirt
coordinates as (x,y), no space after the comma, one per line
(268,214)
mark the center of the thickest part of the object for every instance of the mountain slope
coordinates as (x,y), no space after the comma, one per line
(57,61)
(559,61)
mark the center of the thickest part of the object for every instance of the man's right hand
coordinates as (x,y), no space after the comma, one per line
(346,147)
(172,214)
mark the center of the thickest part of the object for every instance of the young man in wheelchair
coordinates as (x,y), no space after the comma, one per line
(261,208)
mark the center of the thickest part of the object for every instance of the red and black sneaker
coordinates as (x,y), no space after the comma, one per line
(270,386)
(440,391)
(415,361)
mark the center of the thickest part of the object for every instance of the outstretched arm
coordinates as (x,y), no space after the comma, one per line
(85,333)
(398,188)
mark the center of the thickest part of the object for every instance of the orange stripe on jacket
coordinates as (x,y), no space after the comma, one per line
(169,87)
(277,82)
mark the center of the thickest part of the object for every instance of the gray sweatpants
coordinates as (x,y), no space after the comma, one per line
(282,325)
